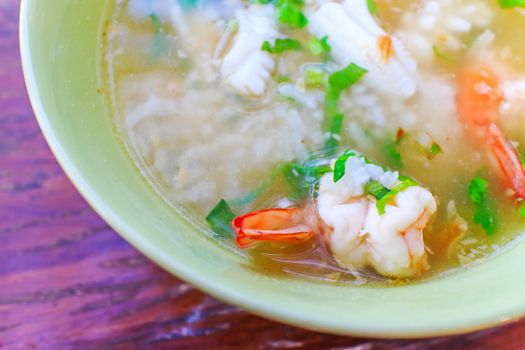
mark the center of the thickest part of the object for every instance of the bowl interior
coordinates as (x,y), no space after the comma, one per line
(61,52)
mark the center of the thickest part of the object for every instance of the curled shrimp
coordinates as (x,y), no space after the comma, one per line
(356,231)
(478,100)
(275,224)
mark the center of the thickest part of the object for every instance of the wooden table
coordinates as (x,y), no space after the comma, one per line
(67,281)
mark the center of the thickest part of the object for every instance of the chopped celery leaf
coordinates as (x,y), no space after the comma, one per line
(220,218)
(477,190)
(485,213)
(435,149)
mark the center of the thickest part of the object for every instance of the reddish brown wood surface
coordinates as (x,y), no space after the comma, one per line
(67,281)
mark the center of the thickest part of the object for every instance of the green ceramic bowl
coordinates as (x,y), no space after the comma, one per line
(61,53)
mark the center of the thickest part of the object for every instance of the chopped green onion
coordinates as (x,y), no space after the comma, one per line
(301,178)
(376,189)
(392,154)
(521,210)
(319,47)
(337,83)
(372,8)
(336,127)
(289,12)
(220,218)
(283,79)
(340,165)
(485,214)
(435,149)
(282,45)
(344,78)
(511,3)
(406,182)
(314,77)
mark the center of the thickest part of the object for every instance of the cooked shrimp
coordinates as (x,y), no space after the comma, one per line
(478,102)
(359,235)
(357,230)
(355,37)
(246,68)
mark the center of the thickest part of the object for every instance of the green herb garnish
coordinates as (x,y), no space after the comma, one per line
(392,154)
(506,4)
(282,45)
(344,78)
(319,47)
(376,189)
(521,210)
(485,214)
(478,188)
(314,77)
(289,12)
(283,79)
(406,182)
(340,164)
(372,7)
(337,83)
(301,178)
(220,218)
(298,177)
(334,132)
(435,149)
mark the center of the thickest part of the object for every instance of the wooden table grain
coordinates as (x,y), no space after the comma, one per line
(67,281)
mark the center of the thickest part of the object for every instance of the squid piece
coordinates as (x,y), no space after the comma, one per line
(246,69)
(359,232)
(355,37)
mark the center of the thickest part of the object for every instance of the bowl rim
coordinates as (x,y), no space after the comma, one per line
(184,271)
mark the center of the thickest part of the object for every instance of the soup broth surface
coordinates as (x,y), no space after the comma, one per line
(197,141)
